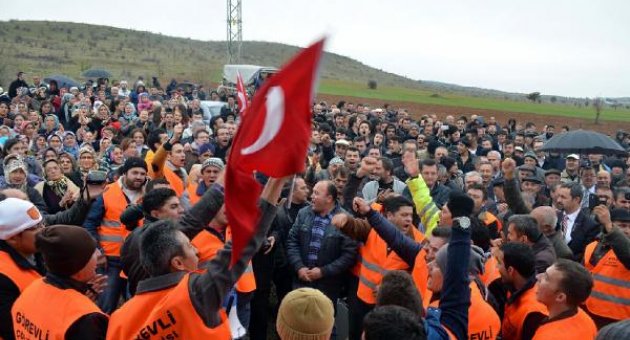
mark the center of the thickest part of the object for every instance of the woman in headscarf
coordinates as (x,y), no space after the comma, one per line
(113,159)
(70,169)
(38,145)
(70,144)
(49,153)
(128,119)
(55,142)
(57,190)
(15,176)
(51,125)
(87,161)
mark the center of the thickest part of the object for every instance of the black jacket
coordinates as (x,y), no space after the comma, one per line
(584,231)
(544,254)
(336,255)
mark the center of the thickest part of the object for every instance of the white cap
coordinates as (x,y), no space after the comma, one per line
(574,156)
(17,215)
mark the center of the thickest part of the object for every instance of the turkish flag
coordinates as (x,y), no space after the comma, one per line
(241,94)
(273,139)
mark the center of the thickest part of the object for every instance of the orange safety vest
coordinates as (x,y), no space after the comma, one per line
(164,314)
(483,321)
(517,311)
(578,327)
(44,311)
(208,245)
(375,262)
(22,278)
(610,297)
(420,275)
(193,198)
(490,271)
(112,232)
(175,181)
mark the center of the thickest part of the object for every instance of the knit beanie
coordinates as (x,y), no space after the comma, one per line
(133,162)
(460,204)
(213,161)
(615,331)
(475,264)
(305,314)
(66,249)
(17,215)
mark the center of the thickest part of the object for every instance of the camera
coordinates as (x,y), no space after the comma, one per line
(594,200)
(96,177)
(627,196)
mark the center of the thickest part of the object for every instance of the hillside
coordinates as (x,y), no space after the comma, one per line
(69,48)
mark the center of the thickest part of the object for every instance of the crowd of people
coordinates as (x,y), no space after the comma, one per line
(113,225)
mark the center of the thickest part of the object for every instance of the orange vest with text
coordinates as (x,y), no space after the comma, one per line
(610,297)
(376,260)
(44,311)
(175,181)
(483,321)
(22,278)
(577,327)
(164,314)
(209,245)
(112,232)
(192,193)
(517,311)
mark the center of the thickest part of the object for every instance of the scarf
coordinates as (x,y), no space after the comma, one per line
(59,186)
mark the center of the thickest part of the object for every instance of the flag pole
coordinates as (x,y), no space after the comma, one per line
(291,192)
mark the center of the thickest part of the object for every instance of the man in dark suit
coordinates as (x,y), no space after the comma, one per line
(578,227)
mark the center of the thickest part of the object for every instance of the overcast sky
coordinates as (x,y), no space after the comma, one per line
(574,48)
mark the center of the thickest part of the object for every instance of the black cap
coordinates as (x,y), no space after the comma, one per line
(533,179)
(553,172)
(530,154)
(498,182)
(134,162)
(621,215)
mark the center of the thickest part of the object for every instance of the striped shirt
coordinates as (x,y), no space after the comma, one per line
(320,223)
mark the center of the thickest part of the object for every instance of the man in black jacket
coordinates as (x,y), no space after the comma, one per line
(318,252)
(16,84)
(524,229)
(578,227)
(270,263)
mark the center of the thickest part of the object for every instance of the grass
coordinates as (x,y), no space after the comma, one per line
(47,48)
(341,88)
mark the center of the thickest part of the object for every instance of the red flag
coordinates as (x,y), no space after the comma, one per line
(241,94)
(273,138)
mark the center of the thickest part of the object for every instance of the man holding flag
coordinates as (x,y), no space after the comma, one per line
(172,291)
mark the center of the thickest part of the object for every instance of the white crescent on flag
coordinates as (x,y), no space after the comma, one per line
(273,120)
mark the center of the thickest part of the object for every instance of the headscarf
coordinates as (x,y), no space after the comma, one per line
(60,185)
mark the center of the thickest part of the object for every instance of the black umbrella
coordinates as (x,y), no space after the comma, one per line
(62,81)
(96,73)
(584,142)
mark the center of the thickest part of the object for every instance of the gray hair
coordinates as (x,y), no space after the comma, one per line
(496,153)
(471,174)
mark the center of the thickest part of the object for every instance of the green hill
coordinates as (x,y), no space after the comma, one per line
(69,48)
(48,48)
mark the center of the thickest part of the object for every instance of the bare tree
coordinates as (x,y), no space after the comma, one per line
(598,105)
